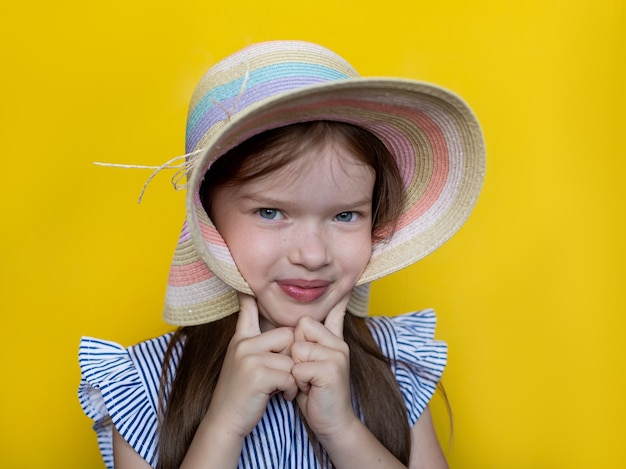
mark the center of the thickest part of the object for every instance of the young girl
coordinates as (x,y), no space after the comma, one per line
(305,183)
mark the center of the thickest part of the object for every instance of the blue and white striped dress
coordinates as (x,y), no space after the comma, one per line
(120,387)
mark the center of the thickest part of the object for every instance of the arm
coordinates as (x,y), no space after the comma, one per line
(124,456)
(357,447)
(209,448)
(425,449)
(222,450)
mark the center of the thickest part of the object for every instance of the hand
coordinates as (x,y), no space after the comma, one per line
(322,372)
(255,367)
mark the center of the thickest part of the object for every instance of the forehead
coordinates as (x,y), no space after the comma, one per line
(330,163)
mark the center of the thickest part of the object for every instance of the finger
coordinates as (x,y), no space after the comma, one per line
(276,369)
(302,352)
(309,352)
(248,321)
(303,375)
(309,330)
(290,388)
(334,320)
(278,341)
(274,381)
(317,374)
(278,380)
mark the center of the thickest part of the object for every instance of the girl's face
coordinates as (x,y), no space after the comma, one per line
(301,236)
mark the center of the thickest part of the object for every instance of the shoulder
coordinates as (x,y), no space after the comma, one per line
(106,363)
(416,358)
(120,387)
(394,334)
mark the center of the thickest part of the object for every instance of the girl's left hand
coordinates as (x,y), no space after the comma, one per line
(322,373)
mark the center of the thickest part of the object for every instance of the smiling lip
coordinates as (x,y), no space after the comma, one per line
(303,291)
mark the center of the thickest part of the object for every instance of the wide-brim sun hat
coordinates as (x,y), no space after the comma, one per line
(432,133)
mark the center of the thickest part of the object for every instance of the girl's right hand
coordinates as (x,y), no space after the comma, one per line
(256,366)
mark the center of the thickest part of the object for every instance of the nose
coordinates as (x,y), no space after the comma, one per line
(310,247)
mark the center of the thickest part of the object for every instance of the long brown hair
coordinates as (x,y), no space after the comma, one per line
(375,390)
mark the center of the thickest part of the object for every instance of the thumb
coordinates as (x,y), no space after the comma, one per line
(248,321)
(334,320)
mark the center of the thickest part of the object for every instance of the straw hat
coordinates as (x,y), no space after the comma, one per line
(434,137)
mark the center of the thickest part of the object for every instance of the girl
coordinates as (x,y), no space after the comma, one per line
(305,183)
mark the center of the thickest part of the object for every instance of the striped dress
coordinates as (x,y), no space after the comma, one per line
(120,387)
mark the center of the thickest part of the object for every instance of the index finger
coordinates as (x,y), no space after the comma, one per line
(335,318)
(248,321)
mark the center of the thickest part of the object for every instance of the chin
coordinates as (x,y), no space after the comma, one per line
(291,320)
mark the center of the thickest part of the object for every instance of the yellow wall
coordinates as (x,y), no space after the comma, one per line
(530,294)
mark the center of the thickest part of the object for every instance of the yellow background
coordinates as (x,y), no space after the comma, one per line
(530,294)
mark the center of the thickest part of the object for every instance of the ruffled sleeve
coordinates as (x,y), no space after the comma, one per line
(117,389)
(417,359)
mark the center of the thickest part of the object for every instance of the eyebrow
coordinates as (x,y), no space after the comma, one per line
(270,202)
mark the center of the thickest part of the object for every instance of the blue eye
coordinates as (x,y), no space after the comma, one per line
(269,213)
(345,216)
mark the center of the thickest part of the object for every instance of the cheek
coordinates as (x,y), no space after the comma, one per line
(366,253)
(357,254)
(252,254)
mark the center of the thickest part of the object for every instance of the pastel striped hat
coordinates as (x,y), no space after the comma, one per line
(434,136)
